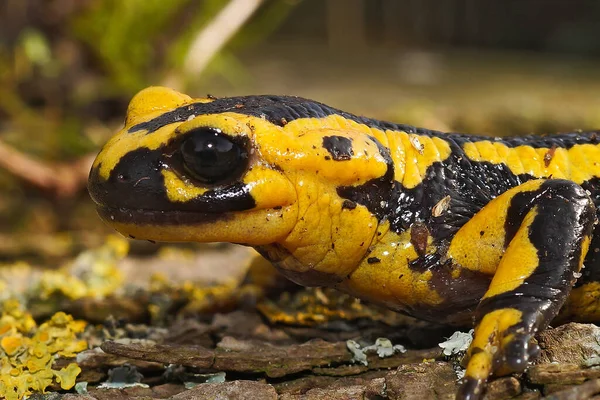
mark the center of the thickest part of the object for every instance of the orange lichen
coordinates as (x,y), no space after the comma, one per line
(10,344)
(27,352)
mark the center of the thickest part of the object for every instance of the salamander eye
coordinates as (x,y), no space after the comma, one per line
(211,157)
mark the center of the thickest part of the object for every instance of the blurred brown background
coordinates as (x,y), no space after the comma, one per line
(69,67)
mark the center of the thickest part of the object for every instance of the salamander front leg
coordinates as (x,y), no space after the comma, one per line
(547,225)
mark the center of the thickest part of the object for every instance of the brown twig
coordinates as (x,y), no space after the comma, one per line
(62,180)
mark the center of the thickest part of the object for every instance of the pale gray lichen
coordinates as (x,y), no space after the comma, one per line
(123,377)
(358,356)
(458,343)
(81,387)
(193,380)
(383,347)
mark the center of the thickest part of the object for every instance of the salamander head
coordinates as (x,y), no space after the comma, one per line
(257,170)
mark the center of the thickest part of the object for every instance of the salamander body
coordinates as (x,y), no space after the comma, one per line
(441,226)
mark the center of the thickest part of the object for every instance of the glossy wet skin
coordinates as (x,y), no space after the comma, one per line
(443,227)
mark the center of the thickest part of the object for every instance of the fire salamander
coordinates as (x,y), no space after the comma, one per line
(440,226)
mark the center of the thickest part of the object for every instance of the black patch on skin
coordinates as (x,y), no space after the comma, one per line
(274,109)
(277,109)
(339,147)
(460,295)
(520,205)
(471,185)
(432,261)
(136,183)
(149,217)
(373,260)
(564,209)
(376,193)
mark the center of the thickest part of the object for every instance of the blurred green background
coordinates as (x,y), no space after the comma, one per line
(69,67)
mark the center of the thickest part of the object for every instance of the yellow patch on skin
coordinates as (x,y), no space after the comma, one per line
(418,160)
(232,124)
(269,188)
(482,252)
(410,164)
(396,145)
(178,190)
(519,260)
(578,163)
(302,126)
(489,337)
(480,366)
(391,281)
(585,246)
(303,151)
(410,161)
(455,272)
(153,101)
(326,238)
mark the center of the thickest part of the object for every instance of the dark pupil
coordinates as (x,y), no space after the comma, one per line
(211,157)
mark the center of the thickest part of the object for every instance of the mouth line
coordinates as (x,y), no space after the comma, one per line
(157,217)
